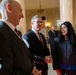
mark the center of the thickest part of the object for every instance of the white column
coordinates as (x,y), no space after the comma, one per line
(66,10)
(22,25)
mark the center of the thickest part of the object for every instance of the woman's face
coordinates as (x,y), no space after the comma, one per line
(64,30)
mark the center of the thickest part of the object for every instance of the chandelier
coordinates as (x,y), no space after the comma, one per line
(40,10)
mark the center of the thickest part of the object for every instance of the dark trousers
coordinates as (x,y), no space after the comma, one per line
(68,72)
(44,72)
(44,68)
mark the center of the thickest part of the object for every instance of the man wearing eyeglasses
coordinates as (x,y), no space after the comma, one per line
(37,45)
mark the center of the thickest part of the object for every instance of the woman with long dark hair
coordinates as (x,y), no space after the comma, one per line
(64,53)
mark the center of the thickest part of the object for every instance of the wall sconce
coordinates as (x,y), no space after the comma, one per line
(47,25)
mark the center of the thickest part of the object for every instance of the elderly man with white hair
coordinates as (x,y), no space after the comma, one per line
(14,56)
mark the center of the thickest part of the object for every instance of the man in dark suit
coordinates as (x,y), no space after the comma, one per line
(14,56)
(37,44)
(52,37)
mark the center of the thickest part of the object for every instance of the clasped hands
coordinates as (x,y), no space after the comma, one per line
(48,59)
(36,72)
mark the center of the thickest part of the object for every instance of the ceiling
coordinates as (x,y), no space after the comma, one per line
(35,4)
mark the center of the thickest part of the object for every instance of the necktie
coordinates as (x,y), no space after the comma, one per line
(18,33)
(41,40)
(54,33)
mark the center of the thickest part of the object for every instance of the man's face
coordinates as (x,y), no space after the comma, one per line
(17,13)
(37,24)
(53,28)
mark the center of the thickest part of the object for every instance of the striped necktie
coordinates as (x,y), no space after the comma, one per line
(18,33)
(41,40)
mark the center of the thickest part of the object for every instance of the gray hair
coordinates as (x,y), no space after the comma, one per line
(4,2)
(35,17)
(3,8)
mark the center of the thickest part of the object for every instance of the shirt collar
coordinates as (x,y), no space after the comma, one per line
(10,25)
(34,31)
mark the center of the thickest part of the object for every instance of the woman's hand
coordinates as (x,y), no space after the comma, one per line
(58,72)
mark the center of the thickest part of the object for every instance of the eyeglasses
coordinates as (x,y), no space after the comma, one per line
(39,22)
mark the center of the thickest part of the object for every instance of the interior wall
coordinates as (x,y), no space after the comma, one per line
(52,15)
(0,16)
(74,14)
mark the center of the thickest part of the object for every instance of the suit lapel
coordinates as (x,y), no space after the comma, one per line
(14,36)
(35,37)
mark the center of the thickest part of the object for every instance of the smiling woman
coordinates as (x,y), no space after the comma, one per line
(63,54)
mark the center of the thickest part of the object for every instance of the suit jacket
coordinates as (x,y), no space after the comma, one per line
(64,56)
(36,47)
(14,56)
(52,36)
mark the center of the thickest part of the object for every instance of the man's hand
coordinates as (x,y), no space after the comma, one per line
(48,59)
(36,72)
